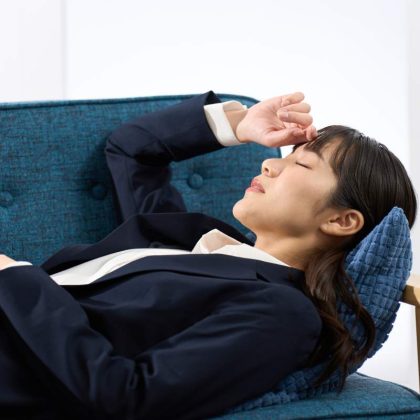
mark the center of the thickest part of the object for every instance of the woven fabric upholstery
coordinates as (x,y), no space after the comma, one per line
(55,186)
(363,397)
(56,190)
(379,266)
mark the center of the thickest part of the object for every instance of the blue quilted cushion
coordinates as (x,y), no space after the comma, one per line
(379,266)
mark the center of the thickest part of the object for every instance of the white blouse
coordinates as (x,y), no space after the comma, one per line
(211,242)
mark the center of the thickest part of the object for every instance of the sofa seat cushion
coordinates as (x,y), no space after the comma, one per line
(363,397)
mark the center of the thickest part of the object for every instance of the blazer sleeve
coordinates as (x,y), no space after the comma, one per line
(138,154)
(240,350)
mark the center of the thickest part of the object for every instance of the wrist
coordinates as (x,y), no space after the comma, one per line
(235,117)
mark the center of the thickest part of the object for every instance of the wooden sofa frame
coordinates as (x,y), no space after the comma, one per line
(411,296)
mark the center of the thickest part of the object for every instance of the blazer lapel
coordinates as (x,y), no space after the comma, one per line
(281,274)
(206,265)
(175,230)
(180,230)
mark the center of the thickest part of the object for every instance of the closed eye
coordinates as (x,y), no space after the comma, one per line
(301,164)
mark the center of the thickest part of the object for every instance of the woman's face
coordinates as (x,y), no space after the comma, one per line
(296,188)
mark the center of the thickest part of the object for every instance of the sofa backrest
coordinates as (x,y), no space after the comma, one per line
(55,186)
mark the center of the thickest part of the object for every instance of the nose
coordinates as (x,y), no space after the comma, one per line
(271,167)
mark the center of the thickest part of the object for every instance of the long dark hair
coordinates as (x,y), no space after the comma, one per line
(372,180)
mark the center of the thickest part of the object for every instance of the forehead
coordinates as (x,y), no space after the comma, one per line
(318,152)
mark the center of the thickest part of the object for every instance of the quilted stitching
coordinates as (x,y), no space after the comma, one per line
(379,266)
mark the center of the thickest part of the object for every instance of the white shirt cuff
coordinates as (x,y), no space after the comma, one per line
(219,124)
(16,263)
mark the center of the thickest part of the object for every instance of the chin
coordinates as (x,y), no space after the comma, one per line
(240,214)
(237,210)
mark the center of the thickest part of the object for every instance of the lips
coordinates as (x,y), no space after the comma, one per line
(256,184)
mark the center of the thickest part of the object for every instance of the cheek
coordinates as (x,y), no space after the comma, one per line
(298,195)
(291,190)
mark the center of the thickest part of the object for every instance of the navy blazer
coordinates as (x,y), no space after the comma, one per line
(163,337)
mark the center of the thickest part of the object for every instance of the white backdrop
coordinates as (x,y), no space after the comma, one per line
(355,61)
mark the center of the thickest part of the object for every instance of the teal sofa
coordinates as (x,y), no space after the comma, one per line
(56,190)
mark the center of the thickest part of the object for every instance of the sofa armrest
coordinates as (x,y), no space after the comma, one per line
(411,293)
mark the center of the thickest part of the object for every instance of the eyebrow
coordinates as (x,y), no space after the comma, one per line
(296,146)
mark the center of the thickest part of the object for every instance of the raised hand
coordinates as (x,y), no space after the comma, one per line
(279,121)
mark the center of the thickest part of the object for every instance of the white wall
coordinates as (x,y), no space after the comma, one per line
(351,59)
(413,84)
(32,53)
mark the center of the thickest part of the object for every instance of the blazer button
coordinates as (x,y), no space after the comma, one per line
(195,181)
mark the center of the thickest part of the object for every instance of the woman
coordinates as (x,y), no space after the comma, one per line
(188,336)
(333,191)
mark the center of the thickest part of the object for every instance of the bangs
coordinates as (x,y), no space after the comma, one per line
(342,139)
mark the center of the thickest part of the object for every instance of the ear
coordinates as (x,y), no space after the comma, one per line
(343,223)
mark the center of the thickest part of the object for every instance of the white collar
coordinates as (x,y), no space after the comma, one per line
(218,242)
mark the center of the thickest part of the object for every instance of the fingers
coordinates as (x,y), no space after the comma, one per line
(293,110)
(300,107)
(307,134)
(285,137)
(289,136)
(311,133)
(292,98)
(285,100)
(295,121)
(302,119)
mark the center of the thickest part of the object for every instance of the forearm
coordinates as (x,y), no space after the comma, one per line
(139,154)
(76,361)
(174,133)
(140,141)
(80,365)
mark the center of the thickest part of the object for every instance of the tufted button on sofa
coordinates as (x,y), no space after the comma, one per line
(56,190)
